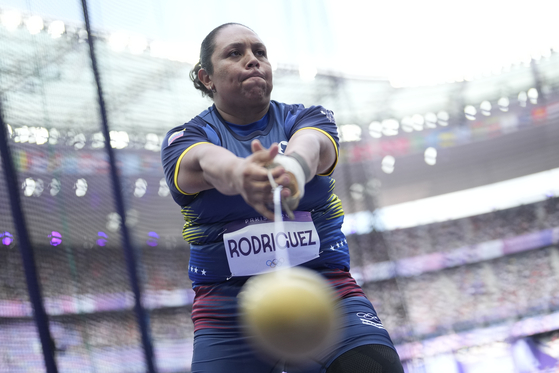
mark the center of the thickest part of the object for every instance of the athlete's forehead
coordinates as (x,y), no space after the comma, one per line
(235,36)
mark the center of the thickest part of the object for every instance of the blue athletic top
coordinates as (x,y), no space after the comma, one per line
(207,213)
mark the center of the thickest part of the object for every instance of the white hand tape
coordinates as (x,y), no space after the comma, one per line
(291,164)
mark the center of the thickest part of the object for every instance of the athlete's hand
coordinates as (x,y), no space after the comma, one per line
(252,182)
(295,188)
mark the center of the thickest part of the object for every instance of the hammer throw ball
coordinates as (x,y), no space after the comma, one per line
(290,314)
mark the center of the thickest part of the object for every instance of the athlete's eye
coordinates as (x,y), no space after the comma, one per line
(261,53)
(234,53)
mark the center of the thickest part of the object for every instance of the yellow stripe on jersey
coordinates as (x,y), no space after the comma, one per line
(333,142)
(177,166)
(335,208)
(332,185)
(188,214)
(192,235)
(190,232)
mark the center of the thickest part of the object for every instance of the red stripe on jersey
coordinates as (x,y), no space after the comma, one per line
(215,306)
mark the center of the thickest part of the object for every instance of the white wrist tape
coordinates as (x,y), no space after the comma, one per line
(291,164)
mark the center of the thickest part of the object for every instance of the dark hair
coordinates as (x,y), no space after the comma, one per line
(206,51)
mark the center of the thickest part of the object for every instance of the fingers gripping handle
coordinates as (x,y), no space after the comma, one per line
(278,202)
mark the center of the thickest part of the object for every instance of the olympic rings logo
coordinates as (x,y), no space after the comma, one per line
(368,316)
(274,263)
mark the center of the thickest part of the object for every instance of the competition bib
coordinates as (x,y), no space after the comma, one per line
(250,245)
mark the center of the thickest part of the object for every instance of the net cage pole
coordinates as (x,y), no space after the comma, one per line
(29,265)
(130,255)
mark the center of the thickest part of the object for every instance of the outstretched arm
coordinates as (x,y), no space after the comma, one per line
(316,148)
(208,166)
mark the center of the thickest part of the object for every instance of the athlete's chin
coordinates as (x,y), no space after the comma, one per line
(258,94)
(257,87)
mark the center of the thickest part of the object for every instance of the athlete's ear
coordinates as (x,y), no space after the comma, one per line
(204,77)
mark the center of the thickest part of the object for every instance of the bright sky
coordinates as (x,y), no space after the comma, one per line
(405,41)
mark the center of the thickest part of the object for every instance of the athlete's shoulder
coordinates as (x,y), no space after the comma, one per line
(196,121)
(287,108)
(300,110)
(201,120)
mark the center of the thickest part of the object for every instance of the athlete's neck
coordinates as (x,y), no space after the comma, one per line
(245,116)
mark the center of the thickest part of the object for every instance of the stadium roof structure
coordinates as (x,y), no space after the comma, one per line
(49,95)
(148,88)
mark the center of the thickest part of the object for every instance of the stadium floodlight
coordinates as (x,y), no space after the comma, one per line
(357,192)
(22,134)
(430,156)
(430,120)
(82,35)
(387,164)
(153,142)
(375,130)
(81,187)
(39,135)
(32,187)
(28,187)
(98,140)
(406,124)
(163,188)
(55,186)
(503,104)
(78,141)
(172,51)
(533,95)
(39,187)
(34,24)
(158,49)
(442,118)
(417,122)
(56,29)
(118,41)
(119,139)
(350,132)
(485,108)
(137,44)
(522,98)
(390,127)
(11,19)
(470,112)
(132,217)
(141,187)
(113,222)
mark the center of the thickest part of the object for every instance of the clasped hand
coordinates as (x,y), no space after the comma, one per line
(253,183)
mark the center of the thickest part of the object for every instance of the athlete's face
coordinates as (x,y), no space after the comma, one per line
(242,73)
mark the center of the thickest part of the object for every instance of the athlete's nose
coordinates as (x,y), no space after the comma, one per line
(252,60)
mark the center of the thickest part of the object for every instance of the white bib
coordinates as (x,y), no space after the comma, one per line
(250,245)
